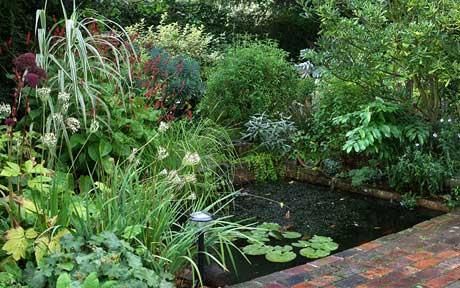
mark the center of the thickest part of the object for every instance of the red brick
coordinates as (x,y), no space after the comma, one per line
(447,254)
(376,273)
(322,281)
(427,263)
(369,246)
(304,285)
(419,256)
(274,285)
(444,280)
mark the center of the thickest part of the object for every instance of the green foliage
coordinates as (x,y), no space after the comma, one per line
(419,173)
(102,261)
(331,167)
(409,200)
(263,165)
(272,135)
(172,82)
(378,129)
(252,78)
(453,199)
(364,175)
(404,51)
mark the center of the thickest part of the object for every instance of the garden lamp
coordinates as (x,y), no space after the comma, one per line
(201,218)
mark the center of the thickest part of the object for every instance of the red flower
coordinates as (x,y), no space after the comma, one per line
(32,79)
(24,62)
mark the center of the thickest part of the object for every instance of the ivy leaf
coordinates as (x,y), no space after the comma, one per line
(17,243)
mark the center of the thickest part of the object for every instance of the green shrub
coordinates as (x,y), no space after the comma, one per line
(419,173)
(252,78)
(264,166)
(104,259)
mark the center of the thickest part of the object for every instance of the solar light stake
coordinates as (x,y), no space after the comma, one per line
(201,218)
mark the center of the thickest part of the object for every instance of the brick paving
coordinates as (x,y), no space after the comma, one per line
(424,256)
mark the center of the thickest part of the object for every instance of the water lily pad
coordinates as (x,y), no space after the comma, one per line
(320,239)
(279,256)
(270,226)
(313,253)
(256,249)
(327,246)
(301,244)
(285,248)
(258,236)
(291,235)
(276,234)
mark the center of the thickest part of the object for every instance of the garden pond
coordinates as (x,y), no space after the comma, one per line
(349,219)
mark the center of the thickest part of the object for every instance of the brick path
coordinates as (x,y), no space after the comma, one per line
(425,256)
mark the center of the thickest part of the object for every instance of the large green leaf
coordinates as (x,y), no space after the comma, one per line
(11,170)
(91,281)
(63,281)
(280,256)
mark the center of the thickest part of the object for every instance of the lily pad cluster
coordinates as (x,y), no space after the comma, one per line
(316,247)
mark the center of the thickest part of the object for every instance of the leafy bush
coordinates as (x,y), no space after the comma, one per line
(272,135)
(264,166)
(252,78)
(402,52)
(419,173)
(364,175)
(189,39)
(102,261)
(172,83)
(331,167)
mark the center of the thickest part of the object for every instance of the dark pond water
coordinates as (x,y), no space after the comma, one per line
(348,218)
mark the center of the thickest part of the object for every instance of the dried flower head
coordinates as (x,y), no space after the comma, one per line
(94,126)
(189,178)
(43,93)
(162,153)
(163,172)
(5,110)
(175,179)
(163,127)
(73,124)
(57,118)
(49,140)
(63,97)
(191,159)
